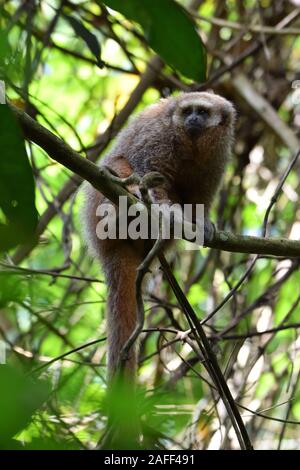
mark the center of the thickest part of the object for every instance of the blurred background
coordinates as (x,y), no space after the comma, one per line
(82,68)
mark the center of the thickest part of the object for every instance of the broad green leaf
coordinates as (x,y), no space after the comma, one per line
(169,31)
(48,444)
(11,289)
(5,50)
(17,198)
(88,37)
(20,398)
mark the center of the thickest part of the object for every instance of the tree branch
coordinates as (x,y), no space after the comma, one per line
(99,178)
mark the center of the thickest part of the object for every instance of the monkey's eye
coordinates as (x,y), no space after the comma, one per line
(187,111)
(202,112)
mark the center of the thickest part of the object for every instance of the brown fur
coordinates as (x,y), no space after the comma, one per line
(156,140)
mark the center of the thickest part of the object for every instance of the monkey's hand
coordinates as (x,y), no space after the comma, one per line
(151,185)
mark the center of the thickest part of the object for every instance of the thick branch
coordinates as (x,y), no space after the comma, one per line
(228,241)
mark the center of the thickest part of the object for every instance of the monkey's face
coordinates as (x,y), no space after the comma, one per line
(198,113)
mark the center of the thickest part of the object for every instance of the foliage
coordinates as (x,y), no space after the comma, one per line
(17,186)
(73,66)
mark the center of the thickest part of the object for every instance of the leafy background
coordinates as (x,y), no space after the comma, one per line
(73,66)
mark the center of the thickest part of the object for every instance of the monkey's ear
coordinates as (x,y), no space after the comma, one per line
(210,90)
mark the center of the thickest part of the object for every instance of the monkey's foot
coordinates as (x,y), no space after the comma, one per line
(132,179)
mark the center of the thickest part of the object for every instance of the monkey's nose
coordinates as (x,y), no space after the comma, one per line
(194,121)
(193,125)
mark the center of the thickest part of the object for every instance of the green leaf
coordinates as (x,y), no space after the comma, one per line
(88,37)
(169,31)
(20,398)
(17,195)
(50,444)
(5,49)
(11,289)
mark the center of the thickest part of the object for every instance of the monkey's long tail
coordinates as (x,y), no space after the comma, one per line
(121,272)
